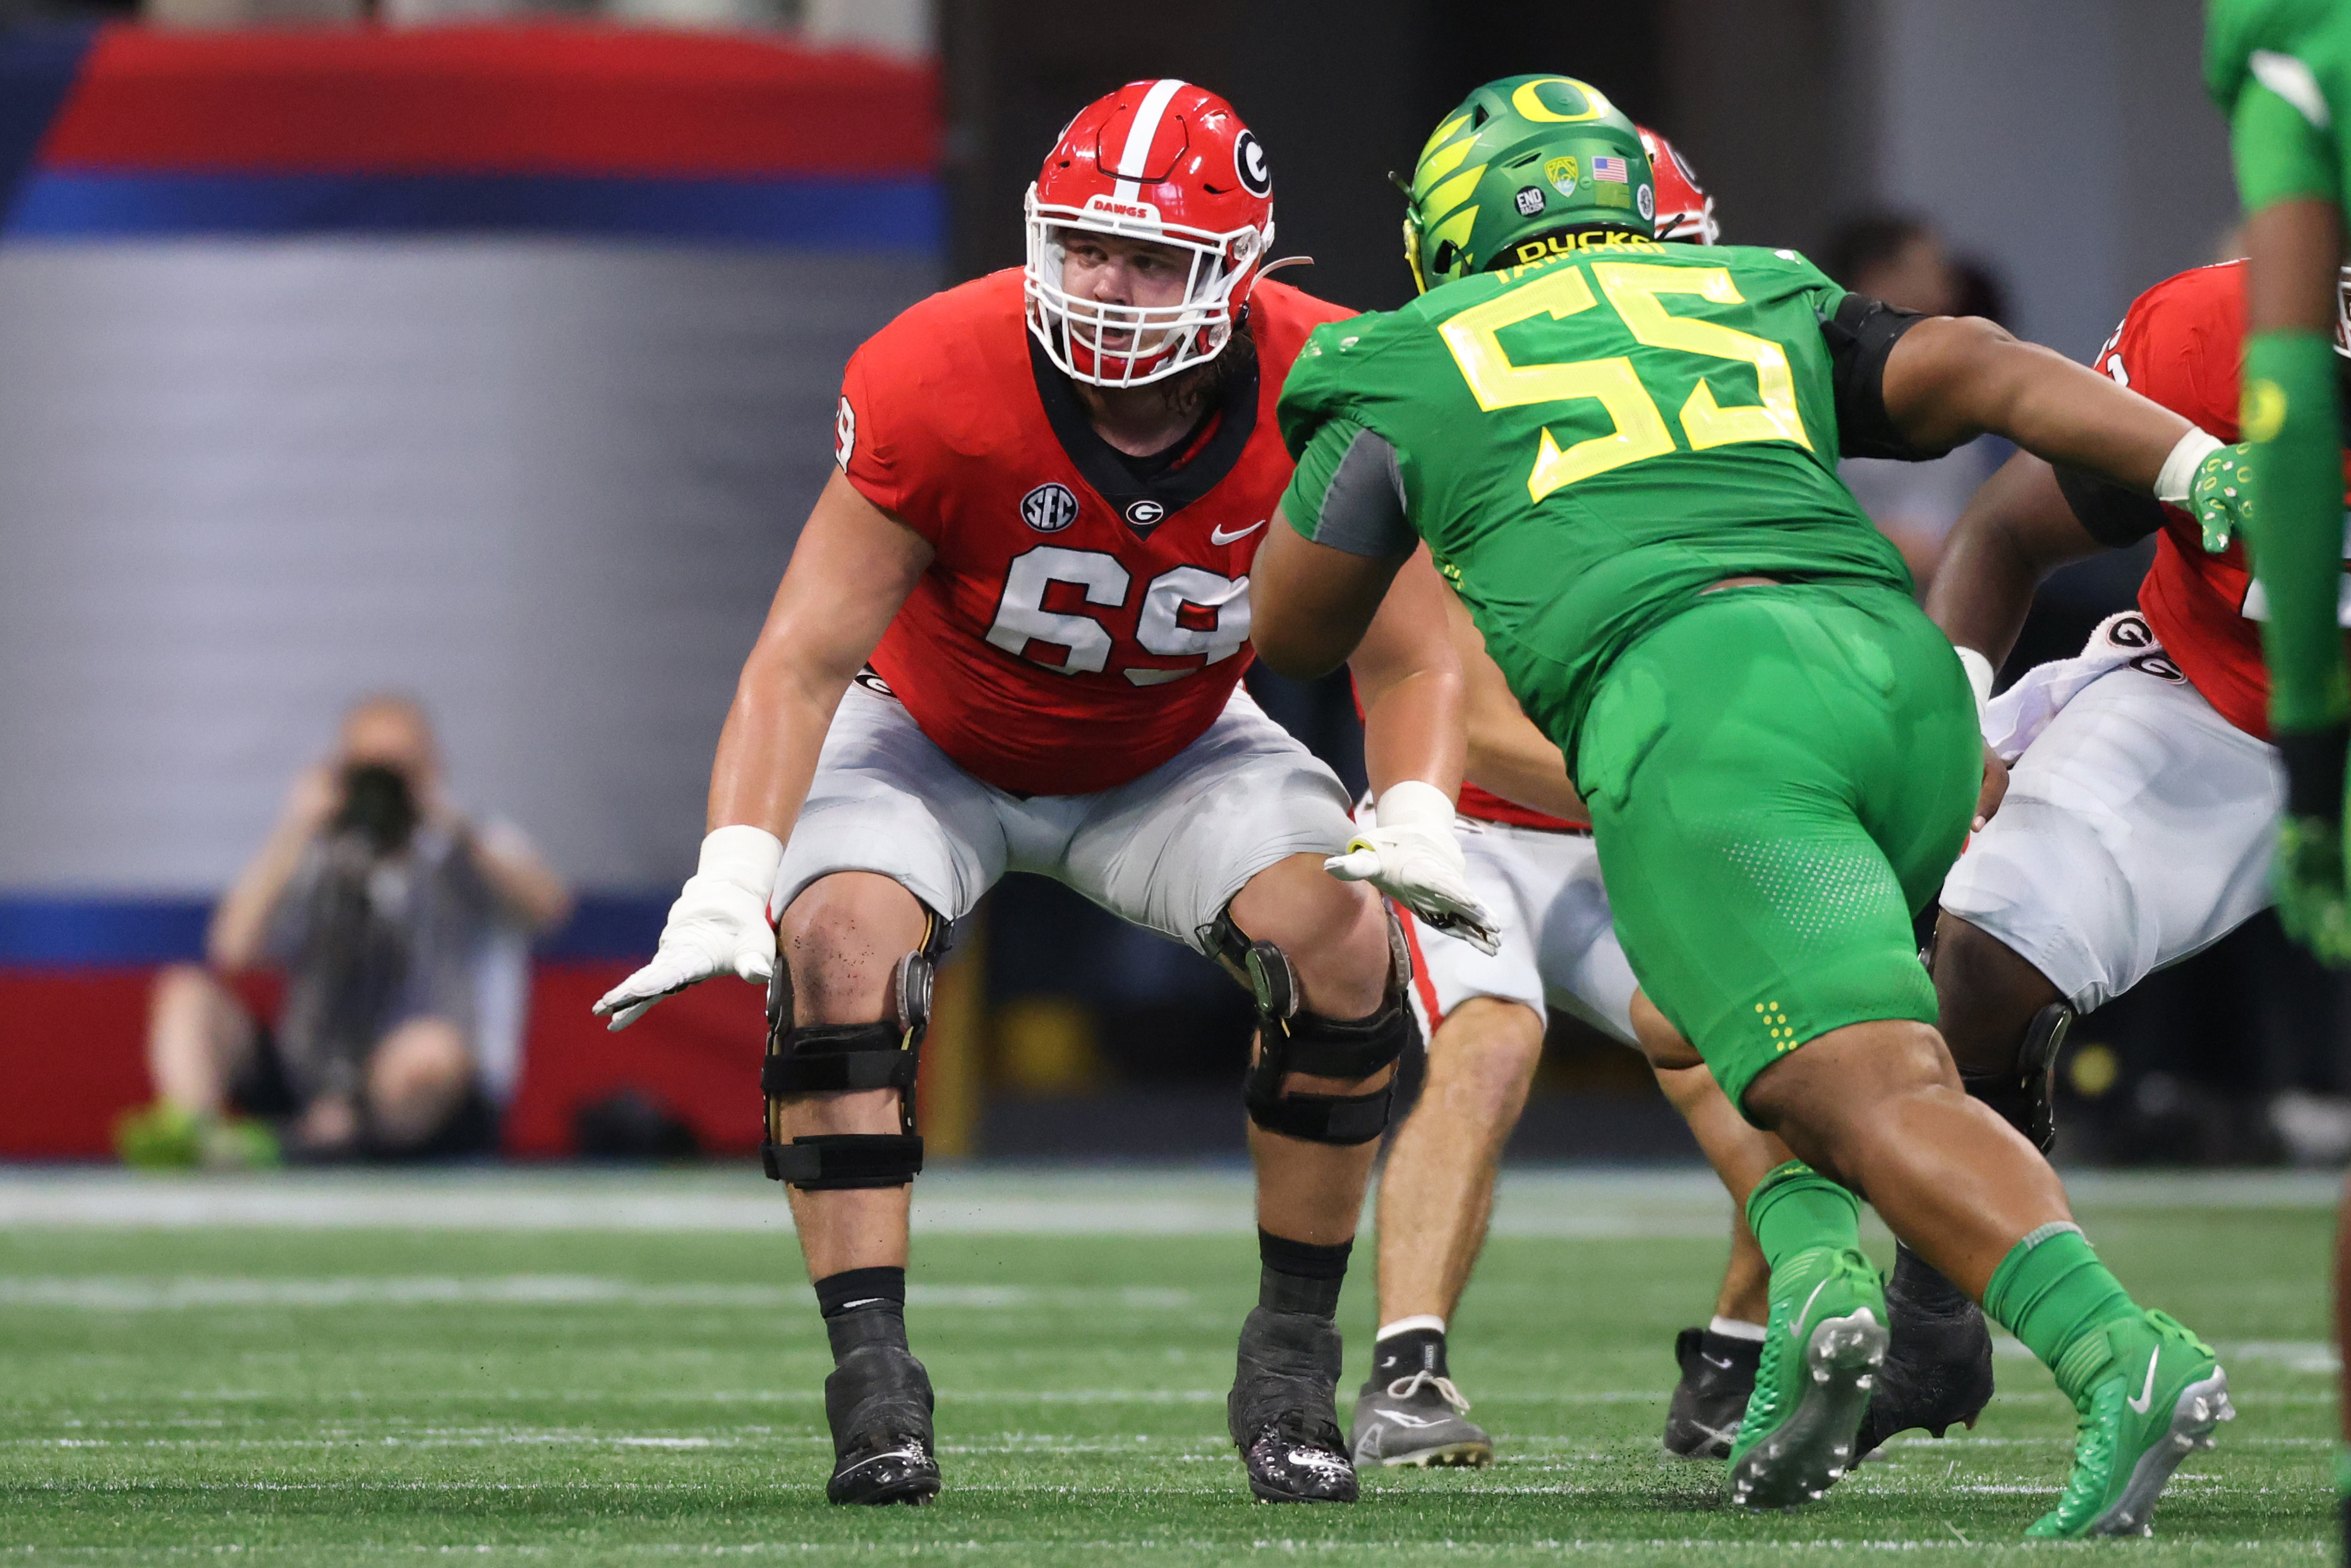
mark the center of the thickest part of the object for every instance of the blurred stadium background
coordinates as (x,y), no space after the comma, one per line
(489,350)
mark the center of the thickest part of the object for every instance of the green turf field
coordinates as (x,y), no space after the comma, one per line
(626,1369)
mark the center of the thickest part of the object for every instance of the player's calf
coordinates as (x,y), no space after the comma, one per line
(1316,1081)
(2004,1022)
(878,1398)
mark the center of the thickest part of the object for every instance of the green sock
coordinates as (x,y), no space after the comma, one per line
(2052,1293)
(1796,1207)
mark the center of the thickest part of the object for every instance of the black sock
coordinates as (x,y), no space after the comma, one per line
(863,1306)
(1410,1350)
(1300,1277)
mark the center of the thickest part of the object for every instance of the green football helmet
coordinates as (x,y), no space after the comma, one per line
(1514,172)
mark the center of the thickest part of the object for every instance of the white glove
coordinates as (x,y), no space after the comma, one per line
(718,923)
(1413,857)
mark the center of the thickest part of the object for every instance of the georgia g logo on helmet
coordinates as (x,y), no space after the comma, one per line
(1171,165)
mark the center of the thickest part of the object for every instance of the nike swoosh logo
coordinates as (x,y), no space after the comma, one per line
(2146,1395)
(1796,1324)
(1403,1419)
(1714,1361)
(1217,536)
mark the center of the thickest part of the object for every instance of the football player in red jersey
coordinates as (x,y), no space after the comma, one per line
(2141,806)
(1528,842)
(1010,638)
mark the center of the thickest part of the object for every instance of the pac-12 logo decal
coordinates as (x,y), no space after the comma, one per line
(1647,203)
(844,433)
(1249,162)
(1144,513)
(1049,509)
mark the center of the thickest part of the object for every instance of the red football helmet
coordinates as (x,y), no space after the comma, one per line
(1161,160)
(1685,212)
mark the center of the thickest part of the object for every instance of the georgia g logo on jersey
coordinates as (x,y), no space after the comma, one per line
(1050,507)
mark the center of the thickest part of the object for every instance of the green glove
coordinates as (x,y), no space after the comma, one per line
(2308,877)
(2222,496)
(2313,903)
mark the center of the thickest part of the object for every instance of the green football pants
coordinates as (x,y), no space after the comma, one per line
(1778,778)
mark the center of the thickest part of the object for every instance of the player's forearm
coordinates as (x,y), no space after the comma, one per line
(767,749)
(2291,416)
(522,882)
(1413,730)
(1516,762)
(2298,464)
(1508,755)
(1951,379)
(2017,528)
(241,924)
(1408,677)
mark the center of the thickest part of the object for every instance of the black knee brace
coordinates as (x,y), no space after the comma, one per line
(1292,1041)
(2025,1095)
(826,1059)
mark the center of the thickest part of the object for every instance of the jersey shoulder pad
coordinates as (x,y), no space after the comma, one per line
(1280,319)
(2179,345)
(1333,375)
(2236,30)
(940,380)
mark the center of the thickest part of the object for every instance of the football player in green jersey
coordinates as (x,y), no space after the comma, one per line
(1623,455)
(2281,70)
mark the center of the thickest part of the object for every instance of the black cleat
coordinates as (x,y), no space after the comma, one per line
(1283,1411)
(1717,1374)
(1937,1370)
(878,1401)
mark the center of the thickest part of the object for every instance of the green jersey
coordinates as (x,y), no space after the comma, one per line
(1589,444)
(2281,70)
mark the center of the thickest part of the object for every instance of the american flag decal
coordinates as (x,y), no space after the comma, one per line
(1609,169)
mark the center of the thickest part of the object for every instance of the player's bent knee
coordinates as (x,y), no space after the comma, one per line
(830,1059)
(1659,1041)
(834,936)
(1295,1043)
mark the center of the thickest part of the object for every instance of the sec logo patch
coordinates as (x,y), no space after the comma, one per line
(1049,509)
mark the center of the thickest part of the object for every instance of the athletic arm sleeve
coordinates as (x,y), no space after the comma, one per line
(2281,151)
(2114,517)
(1348,492)
(1861,333)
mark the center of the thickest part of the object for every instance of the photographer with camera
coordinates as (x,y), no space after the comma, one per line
(402,931)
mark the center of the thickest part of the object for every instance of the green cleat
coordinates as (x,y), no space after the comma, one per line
(2152,1394)
(162,1136)
(1826,1340)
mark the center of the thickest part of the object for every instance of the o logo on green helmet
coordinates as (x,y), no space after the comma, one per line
(1529,102)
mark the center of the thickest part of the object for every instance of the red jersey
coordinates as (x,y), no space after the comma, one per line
(1489,807)
(2182,344)
(1086,616)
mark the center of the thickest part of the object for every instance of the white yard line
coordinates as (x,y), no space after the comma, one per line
(1108,1200)
(132,1292)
